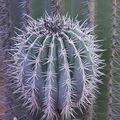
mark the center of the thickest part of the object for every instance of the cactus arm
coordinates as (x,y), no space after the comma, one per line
(65,83)
(50,104)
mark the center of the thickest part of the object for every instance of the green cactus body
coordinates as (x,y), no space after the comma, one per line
(56,66)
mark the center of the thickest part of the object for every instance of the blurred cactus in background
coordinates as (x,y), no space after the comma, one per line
(53,61)
(114,82)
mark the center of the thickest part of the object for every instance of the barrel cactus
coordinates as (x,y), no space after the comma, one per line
(55,66)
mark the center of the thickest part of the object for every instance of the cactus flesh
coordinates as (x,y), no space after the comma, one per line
(56,66)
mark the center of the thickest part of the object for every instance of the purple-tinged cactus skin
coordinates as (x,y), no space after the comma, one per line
(113,84)
(5,21)
(55,66)
(5,34)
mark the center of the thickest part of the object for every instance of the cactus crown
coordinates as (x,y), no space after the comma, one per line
(56,66)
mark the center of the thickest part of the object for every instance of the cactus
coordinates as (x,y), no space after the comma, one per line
(5,33)
(103,10)
(66,90)
(113,84)
(56,66)
(89,113)
(9,106)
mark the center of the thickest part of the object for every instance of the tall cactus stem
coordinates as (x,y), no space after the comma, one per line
(25,4)
(111,115)
(89,113)
(90,5)
(55,7)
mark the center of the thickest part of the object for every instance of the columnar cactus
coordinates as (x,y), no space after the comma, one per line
(89,113)
(9,106)
(5,20)
(5,28)
(55,66)
(113,84)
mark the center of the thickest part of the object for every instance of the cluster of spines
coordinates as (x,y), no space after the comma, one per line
(39,85)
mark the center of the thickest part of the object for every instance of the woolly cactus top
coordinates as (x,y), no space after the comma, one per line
(56,66)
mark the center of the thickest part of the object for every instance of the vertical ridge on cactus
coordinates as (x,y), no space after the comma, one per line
(5,34)
(113,84)
(89,113)
(56,66)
